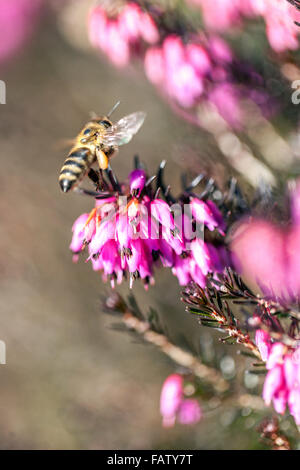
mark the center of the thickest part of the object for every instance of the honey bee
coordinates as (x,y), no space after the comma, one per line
(97,141)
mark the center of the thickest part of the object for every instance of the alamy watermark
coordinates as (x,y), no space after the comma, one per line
(2,92)
(2,352)
(296,94)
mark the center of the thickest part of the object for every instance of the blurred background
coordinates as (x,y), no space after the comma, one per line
(70,381)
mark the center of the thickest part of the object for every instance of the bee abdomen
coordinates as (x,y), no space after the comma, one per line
(74,168)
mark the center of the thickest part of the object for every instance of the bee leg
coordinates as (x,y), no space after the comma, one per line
(113,179)
(103,183)
(94,177)
(95,194)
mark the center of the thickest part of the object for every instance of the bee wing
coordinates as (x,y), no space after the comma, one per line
(122,131)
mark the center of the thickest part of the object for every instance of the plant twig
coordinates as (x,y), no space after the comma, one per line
(177,354)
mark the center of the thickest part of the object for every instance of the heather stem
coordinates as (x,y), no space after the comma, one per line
(181,357)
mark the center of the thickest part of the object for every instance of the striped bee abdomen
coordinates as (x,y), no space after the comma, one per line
(75,167)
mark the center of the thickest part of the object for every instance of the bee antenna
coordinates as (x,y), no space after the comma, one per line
(113,108)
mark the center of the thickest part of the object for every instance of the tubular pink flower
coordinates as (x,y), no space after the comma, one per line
(174,53)
(154,65)
(263,342)
(259,252)
(98,22)
(226,99)
(137,180)
(166,253)
(295,204)
(280,401)
(198,57)
(189,412)
(109,256)
(104,233)
(201,255)
(122,231)
(117,50)
(276,355)
(162,213)
(171,398)
(220,50)
(294,404)
(181,270)
(129,22)
(148,29)
(185,85)
(206,214)
(196,273)
(78,233)
(274,381)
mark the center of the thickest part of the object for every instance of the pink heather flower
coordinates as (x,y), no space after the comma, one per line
(148,29)
(129,22)
(201,255)
(133,237)
(118,50)
(189,412)
(208,214)
(17,21)
(198,57)
(181,269)
(220,14)
(137,182)
(173,404)
(120,37)
(282,385)
(263,342)
(174,53)
(220,50)
(78,233)
(226,99)
(98,27)
(171,398)
(160,210)
(273,383)
(279,17)
(269,255)
(259,252)
(185,85)
(295,204)
(154,65)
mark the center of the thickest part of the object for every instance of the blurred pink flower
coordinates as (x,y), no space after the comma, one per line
(119,37)
(263,342)
(17,21)
(173,404)
(78,233)
(260,254)
(189,411)
(282,386)
(268,254)
(189,71)
(171,398)
(279,17)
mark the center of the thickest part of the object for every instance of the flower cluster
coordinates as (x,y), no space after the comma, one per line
(199,70)
(189,69)
(120,37)
(282,383)
(17,19)
(132,231)
(278,15)
(268,254)
(173,404)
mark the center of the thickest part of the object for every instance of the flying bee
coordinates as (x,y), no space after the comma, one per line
(97,142)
